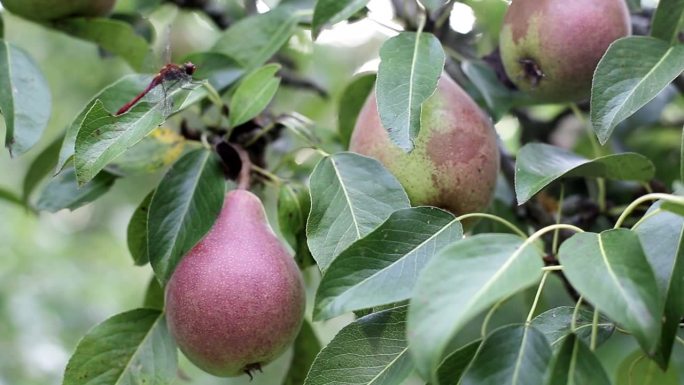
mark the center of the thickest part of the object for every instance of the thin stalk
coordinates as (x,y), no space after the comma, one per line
(537,296)
(488,317)
(596,147)
(272,177)
(594,329)
(643,199)
(554,247)
(573,322)
(446,13)
(494,218)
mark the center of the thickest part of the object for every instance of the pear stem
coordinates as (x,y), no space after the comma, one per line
(244,180)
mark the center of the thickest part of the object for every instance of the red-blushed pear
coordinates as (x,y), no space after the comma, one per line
(40,10)
(455,160)
(236,301)
(550,48)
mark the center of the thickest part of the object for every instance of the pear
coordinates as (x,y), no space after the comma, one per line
(455,160)
(41,10)
(236,301)
(550,48)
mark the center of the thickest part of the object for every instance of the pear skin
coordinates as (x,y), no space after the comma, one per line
(550,48)
(455,160)
(236,301)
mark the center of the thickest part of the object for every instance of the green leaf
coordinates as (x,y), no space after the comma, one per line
(154,295)
(183,209)
(382,267)
(410,65)
(460,282)
(673,207)
(611,271)
(372,350)
(25,99)
(306,347)
(294,204)
(352,100)
(299,125)
(662,238)
(497,97)
(637,369)
(511,355)
(137,232)
(255,39)
(41,167)
(253,94)
(350,196)
(63,191)
(667,20)
(115,36)
(452,368)
(159,149)
(631,73)
(127,349)
(574,364)
(112,97)
(556,325)
(103,137)
(9,196)
(540,164)
(332,12)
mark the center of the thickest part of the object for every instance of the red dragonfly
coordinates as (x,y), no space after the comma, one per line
(169,73)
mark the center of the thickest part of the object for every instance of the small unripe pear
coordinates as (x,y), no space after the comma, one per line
(550,48)
(236,301)
(41,10)
(455,160)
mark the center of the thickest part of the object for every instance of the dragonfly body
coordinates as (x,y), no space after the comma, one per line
(169,72)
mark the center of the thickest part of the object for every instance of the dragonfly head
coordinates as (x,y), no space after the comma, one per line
(189,68)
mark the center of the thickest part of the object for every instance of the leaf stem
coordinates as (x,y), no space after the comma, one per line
(446,13)
(596,147)
(422,19)
(541,232)
(554,247)
(263,131)
(495,218)
(537,296)
(680,340)
(573,322)
(488,317)
(643,199)
(594,329)
(272,177)
(213,94)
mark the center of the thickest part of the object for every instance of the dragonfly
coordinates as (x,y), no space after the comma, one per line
(170,73)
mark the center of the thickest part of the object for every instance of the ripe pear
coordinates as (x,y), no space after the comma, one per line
(42,10)
(455,160)
(550,48)
(236,301)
